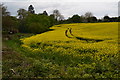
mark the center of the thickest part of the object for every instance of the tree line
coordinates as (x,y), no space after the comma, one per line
(27,21)
(89,18)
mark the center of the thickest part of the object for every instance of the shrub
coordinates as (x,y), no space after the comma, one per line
(34,23)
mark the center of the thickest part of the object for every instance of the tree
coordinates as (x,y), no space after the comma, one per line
(45,13)
(88,14)
(75,19)
(93,19)
(88,17)
(99,20)
(33,23)
(36,23)
(22,13)
(114,19)
(57,15)
(118,18)
(106,18)
(31,9)
(52,20)
(61,18)
(83,19)
(9,23)
(4,10)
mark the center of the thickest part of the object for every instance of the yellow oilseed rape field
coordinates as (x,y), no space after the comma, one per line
(78,50)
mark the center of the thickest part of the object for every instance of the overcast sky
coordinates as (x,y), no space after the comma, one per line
(67,8)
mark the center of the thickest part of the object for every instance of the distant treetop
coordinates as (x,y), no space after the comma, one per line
(31,9)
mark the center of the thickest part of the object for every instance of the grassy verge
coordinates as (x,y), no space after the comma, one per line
(18,62)
(14,63)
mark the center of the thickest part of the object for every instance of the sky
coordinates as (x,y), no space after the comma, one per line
(67,8)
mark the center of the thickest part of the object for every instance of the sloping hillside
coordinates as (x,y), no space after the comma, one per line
(79,50)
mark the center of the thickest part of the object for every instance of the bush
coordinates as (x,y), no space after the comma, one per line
(34,23)
(37,28)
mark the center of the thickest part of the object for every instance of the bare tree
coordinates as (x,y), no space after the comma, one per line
(61,17)
(88,15)
(57,15)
